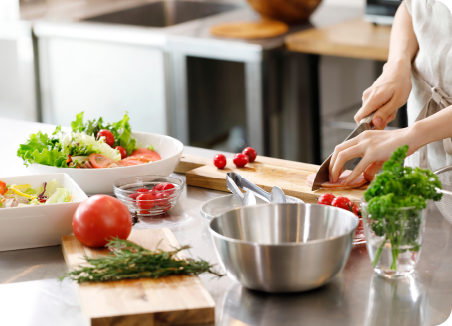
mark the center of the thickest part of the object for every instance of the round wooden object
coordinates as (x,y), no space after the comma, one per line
(250,30)
(288,11)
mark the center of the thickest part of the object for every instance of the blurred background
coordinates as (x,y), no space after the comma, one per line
(162,62)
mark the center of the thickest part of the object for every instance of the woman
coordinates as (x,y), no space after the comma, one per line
(419,69)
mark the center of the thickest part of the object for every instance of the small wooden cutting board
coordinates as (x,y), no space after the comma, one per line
(170,300)
(266,172)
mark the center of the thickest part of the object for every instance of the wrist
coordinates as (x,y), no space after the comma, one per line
(414,138)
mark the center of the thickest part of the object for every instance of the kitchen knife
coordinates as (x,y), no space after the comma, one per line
(323,172)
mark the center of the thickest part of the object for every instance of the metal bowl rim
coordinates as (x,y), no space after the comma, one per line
(285,244)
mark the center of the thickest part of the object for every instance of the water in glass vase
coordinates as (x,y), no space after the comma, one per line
(392,262)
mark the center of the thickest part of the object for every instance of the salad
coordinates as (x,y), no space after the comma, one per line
(25,195)
(93,144)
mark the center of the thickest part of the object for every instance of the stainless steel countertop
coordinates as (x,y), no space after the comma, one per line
(30,294)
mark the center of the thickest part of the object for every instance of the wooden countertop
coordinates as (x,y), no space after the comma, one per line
(353,39)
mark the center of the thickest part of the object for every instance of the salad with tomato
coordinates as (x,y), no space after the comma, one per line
(25,195)
(93,144)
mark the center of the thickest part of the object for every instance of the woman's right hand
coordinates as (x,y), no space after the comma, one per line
(387,94)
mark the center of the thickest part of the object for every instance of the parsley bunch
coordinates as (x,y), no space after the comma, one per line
(395,198)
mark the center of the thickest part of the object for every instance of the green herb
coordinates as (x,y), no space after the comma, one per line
(129,260)
(394,190)
(121,130)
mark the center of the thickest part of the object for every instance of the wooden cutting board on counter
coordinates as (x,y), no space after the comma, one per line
(170,300)
(266,172)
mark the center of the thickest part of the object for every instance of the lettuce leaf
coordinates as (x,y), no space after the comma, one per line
(52,187)
(42,149)
(61,195)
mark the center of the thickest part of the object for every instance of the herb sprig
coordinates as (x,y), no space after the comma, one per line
(128,260)
(389,196)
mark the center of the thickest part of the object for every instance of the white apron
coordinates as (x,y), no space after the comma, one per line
(431,76)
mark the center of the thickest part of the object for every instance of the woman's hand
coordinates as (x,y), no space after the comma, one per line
(387,94)
(373,146)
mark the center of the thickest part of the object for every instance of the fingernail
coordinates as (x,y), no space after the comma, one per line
(377,122)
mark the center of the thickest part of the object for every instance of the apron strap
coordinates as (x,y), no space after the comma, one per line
(437,102)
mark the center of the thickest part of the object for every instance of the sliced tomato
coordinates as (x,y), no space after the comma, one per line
(100,161)
(143,159)
(131,162)
(153,155)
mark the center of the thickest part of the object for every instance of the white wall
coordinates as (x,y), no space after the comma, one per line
(348,3)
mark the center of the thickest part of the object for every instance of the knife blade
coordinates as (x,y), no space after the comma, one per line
(323,172)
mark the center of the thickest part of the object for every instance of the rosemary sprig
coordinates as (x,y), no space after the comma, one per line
(128,260)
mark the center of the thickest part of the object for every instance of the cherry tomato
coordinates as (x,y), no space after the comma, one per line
(100,218)
(164,186)
(145,212)
(121,151)
(343,202)
(134,196)
(161,198)
(146,201)
(326,199)
(355,210)
(99,160)
(251,153)
(143,190)
(2,187)
(109,138)
(240,160)
(219,161)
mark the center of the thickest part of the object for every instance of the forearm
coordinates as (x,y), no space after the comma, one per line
(436,127)
(403,44)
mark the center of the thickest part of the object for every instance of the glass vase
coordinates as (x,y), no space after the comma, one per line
(393,239)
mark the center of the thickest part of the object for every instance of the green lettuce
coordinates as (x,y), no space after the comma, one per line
(61,195)
(121,130)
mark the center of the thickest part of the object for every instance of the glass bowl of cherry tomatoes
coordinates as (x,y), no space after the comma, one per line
(149,195)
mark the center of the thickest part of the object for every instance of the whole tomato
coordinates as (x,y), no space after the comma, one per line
(100,218)
(109,138)
(356,210)
(161,199)
(326,199)
(219,161)
(240,160)
(343,202)
(146,201)
(121,151)
(251,153)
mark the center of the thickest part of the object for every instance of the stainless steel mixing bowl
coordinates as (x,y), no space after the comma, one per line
(283,247)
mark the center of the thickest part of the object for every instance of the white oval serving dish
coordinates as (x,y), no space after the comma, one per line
(100,181)
(42,225)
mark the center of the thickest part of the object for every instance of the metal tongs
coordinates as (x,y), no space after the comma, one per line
(234,180)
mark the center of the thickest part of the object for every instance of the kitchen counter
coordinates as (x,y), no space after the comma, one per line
(30,293)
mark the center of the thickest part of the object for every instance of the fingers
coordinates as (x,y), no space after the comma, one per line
(372,170)
(341,158)
(384,115)
(358,170)
(373,99)
(337,150)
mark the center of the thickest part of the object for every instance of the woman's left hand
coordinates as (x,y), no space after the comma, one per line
(373,146)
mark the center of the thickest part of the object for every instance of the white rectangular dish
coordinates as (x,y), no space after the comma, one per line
(42,225)
(100,181)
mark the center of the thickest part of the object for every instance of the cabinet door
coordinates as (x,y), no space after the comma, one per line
(102,79)
(17,72)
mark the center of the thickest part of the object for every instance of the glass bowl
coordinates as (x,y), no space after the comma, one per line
(159,201)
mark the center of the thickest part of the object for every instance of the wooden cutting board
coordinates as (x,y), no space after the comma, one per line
(266,172)
(171,300)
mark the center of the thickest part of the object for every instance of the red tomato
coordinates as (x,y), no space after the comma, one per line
(163,186)
(2,187)
(326,199)
(145,212)
(240,160)
(219,161)
(355,210)
(143,190)
(134,196)
(161,198)
(146,201)
(121,151)
(109,138)
(251,153)
(100,218)
(343,202)
(99,160)
(127,162)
